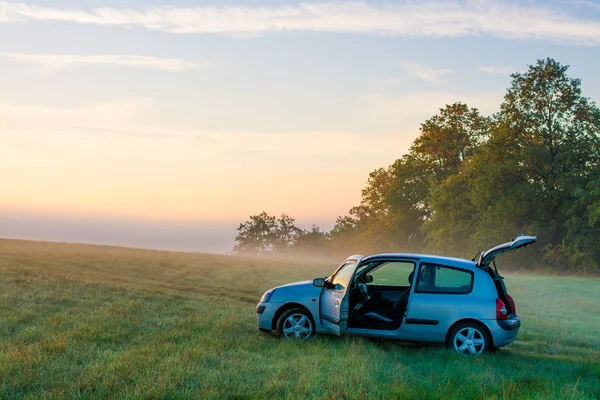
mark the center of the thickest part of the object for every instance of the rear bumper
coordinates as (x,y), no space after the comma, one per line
(510,324)
(503,332)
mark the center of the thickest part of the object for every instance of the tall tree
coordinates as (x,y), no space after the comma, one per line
(449,138)
(395,202)
(548,132)
(543,147)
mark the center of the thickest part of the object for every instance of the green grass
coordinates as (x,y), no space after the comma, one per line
(81,321)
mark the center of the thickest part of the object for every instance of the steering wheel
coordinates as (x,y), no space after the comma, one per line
(362,287)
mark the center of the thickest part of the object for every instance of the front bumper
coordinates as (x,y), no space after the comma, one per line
(265,312)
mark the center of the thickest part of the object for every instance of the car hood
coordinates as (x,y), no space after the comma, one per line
(300,284)
(295,291)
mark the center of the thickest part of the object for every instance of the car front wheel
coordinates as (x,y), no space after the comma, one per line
(469,339)
(295,323)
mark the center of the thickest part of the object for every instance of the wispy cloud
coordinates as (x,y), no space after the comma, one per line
(125,120)
(32,117)
(505,70)
(413,108)
(434,18)
(386,81)
(585,3)
(63,61)
(423,72)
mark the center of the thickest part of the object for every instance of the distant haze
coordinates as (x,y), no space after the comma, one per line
(195,236)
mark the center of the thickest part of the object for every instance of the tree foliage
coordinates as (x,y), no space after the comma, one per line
(267,234)
(395,202)
(469,180)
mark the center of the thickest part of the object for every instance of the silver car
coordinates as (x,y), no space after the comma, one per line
(410,297)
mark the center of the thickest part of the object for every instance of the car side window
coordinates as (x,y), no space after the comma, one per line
(392,273)
(440,279)
(342,278)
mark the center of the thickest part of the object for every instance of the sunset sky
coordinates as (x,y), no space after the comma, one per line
(123,119)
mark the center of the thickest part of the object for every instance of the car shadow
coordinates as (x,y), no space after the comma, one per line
(387,344)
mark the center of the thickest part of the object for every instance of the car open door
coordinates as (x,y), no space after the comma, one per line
(487,257)
(335,298)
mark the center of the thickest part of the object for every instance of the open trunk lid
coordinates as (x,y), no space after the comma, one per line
(506,307)
(488,256)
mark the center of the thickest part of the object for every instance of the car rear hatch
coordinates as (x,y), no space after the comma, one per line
(487,257)
(506,309)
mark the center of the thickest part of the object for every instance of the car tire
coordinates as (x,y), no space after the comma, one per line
(295,323)
(469,338)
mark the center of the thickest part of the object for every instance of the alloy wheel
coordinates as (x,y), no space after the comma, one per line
(469,341)
(297,326)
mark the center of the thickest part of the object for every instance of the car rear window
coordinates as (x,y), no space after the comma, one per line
(441,279)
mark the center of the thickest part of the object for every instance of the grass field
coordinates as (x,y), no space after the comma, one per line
(80,321)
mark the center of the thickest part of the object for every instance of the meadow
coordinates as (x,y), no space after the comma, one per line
(81,321)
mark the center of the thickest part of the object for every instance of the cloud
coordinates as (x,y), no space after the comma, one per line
(124,121)
(505,70)
(584,3)
(508,20)
(63,61)
(386,81)
(32,117)
(425,73)
(414,108)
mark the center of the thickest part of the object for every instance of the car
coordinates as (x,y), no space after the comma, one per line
(408,297)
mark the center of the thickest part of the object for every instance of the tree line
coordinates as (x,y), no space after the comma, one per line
(470,180)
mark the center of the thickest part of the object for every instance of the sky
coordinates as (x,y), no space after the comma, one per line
(166,123)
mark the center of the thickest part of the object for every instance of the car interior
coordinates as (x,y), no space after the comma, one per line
(379,296)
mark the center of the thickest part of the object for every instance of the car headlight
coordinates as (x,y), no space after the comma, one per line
(267,296)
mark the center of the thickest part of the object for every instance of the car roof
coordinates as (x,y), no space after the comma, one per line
(450,261)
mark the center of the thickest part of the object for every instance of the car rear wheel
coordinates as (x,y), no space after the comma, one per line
(295,323)
(469,339)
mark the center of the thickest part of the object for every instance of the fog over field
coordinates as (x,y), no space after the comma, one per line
(198,236)
(210,237)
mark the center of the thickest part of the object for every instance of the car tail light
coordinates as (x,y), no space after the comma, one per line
(511,304)
(501,311)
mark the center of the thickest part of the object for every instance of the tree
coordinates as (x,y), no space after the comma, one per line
(542,151)
(264,234)
(314,241)
(581,245)
(395,202)
(448,139)
(286,233)
(256,236)
(547,132)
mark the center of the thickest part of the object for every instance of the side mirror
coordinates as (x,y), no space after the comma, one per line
(369,278)
(319,282)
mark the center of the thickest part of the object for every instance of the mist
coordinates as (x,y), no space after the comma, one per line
(195,236)
(198,236)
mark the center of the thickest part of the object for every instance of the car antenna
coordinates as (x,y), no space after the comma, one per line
(479,252)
